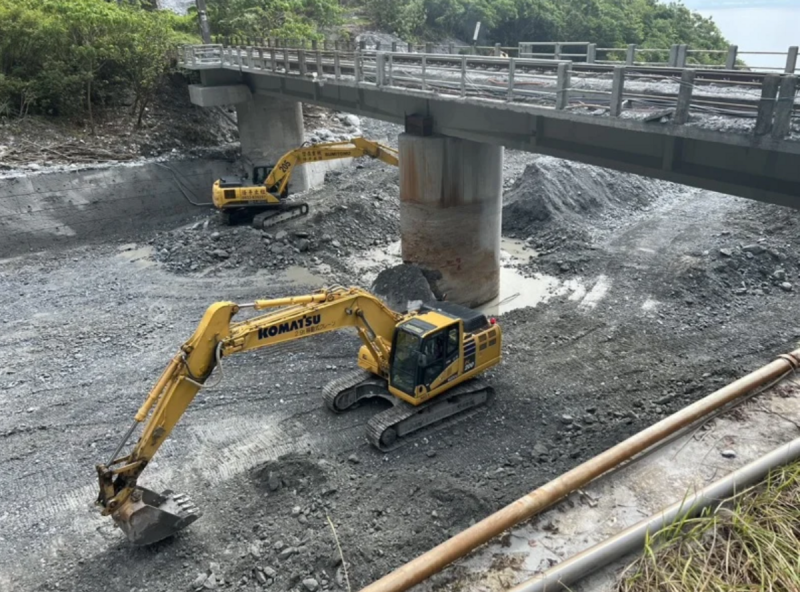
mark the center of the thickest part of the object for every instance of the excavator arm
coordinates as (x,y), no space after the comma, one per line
(146,516)
(278,179)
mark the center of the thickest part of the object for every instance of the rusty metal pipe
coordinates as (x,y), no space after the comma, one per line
(441,556)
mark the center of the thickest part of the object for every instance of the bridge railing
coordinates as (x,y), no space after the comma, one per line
(768,102)
(675,56)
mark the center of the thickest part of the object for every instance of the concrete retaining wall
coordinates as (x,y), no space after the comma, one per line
(43,210)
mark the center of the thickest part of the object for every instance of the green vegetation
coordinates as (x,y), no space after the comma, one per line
(750,543)
(609,23)
(285,19)
(64,57)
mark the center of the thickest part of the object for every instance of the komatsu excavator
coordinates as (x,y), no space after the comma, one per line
(424,362)
(264,203)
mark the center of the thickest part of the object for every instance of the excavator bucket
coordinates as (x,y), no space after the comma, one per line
(149,517)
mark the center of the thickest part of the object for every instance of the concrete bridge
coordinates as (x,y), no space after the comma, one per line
(451,174)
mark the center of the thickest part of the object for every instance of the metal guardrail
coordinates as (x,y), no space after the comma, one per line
(675,56)
(515,81)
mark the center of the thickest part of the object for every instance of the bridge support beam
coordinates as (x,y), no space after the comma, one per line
(451,212)
(268,128)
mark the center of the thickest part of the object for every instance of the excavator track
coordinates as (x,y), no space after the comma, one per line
(344,392)
(389,429)
(275,216)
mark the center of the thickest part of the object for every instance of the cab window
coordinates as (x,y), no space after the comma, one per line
(452,341)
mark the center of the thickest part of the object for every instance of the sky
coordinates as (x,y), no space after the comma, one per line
(755,25)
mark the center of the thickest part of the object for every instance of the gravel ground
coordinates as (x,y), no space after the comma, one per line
(661,298)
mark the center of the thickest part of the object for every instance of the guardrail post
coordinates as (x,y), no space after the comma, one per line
(424,68)
(673,55)
(286,65)
(301,61)
(362,45)
(261,65)
(314,44)
(591,53)
(391,69)
(357,66)
(336,45)
(326,45)
(273,62)
(562,89)
(410,47)
(791,60)
(617,87)
(377,46)
(730,61)
(450,49)
(429,47)
(320,73)
(380,68)
(394,46)
(766,107)
(631,57)
(337,66)
(497,51)
(684,97)
(463,76)
(557,52)
(681,63)
(783,110)
(512,66)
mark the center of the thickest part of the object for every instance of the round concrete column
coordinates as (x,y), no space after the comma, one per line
(450,213)
(268,128)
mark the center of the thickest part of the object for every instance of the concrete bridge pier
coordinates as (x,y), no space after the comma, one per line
(451,212)
(268,128)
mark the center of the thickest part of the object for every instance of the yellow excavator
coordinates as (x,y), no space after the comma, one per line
(424,362)
(264,203)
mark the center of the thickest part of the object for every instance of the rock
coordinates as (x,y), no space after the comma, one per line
(198,582)
(540,448)
(273,482)
(303,245)
(301,234)
(326,238)
(269,572)
(430,453)
(220,253)
(786,287)
(353,459)
(287,552)
(351,120)
(754,249)
(726,252)
(310,584)
(215,235)
(296,510)
(210,583)
(728,453)
(261,578)
(402,286)
(779,274)
(281,235)
(213,567)
(255,550)
(336,244)
(567,419)
(740,291)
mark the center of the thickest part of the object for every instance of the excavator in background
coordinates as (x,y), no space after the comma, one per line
(264,203)
(424,362)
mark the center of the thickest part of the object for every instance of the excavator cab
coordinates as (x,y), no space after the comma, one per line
(427,348)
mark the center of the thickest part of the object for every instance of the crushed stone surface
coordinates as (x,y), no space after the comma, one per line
(649,316)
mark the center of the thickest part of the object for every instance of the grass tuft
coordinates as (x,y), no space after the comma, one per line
(750,543)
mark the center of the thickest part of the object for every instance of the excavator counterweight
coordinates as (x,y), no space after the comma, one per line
(424,362)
